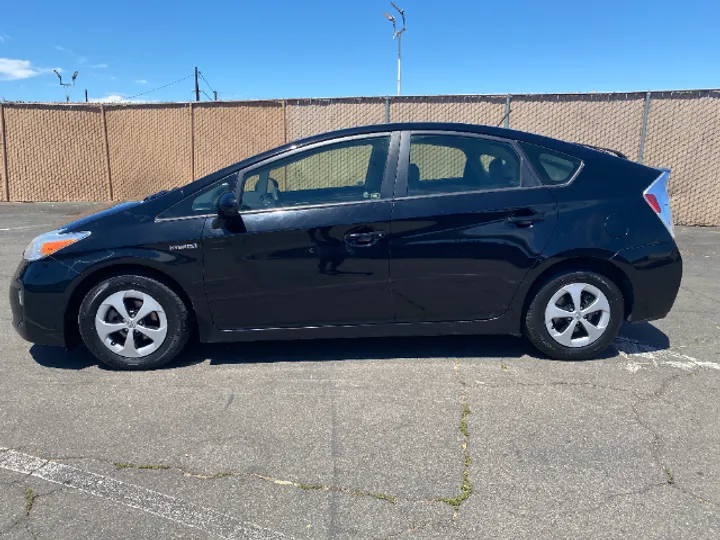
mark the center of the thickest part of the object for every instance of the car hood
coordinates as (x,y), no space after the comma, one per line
(88,217)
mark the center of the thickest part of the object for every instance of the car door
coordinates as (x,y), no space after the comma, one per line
(469,219)
(310,246)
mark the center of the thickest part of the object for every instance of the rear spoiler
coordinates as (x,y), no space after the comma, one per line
(615,153)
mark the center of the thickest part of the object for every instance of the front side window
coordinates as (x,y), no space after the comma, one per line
(203,202)
(349,171)
(452,164)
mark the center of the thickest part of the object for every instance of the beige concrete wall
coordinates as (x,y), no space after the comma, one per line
(306,117)
(488,110)
(225,133)
(3,159)
(683,134)
(150,148)
(55,153)
(79,152)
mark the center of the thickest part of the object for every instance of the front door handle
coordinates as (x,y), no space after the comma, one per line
(525,220)
(363,239)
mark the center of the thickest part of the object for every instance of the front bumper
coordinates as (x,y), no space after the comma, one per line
(38,300)
(655,273)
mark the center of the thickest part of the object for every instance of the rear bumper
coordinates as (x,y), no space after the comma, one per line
(655,273)
(38,298)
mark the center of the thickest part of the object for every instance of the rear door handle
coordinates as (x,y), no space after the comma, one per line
(367,238)
(526,220)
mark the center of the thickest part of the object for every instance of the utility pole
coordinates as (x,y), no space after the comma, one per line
(197,85)
(86,98)
(215,93)
(398,34)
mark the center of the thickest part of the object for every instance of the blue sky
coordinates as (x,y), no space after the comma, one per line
(252,49)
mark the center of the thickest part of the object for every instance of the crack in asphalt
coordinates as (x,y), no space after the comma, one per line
(656,446)
(30,499)
(657,439)
(334,489)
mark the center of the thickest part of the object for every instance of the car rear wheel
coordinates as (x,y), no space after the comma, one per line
(133,322)
(575,315)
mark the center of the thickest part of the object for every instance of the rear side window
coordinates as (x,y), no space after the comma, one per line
(453,164)
(553,167)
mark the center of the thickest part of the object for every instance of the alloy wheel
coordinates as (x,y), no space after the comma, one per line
(131,324)
(577,315)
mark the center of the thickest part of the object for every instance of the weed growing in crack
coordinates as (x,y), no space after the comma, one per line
(119,465)
(384,497)
(463,420)
(310,487)
(465,491)
(466,486)
(154,467)
(669,475)
(30,497)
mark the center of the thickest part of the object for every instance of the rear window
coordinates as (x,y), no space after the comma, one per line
(553,167)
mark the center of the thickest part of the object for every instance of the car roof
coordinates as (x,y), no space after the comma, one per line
(574,149)
(433,126)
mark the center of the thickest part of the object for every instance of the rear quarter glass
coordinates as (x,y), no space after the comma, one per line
(554,168)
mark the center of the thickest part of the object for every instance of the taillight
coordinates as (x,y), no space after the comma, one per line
(653,202)
(657,198)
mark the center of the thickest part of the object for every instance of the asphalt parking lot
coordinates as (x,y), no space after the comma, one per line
(378,438)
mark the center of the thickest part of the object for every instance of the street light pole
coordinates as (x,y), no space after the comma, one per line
(399,63)
(398,34)
(66,85)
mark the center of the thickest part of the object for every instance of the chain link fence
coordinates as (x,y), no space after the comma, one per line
(54,152)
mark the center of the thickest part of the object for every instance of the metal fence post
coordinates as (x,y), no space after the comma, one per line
(643,133)
(106,148)
(507,112)
(387,109)
(3,135)
(284,111)
(192,140)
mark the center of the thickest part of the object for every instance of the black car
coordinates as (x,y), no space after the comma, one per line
(394,229)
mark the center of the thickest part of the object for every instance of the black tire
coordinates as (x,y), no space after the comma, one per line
(175,311)
(537,332)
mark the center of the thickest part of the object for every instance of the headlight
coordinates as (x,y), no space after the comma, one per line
(48,243)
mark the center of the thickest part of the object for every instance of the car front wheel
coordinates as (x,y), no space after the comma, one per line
(133,322)
(575,315)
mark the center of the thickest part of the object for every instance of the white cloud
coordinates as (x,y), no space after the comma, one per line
(98,66)
(116,98)
(112,98)
(4,37)
(141,81)
(15,70)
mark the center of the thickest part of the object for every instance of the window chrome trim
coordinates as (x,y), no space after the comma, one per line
(473,192)
(310,206)
(183,218)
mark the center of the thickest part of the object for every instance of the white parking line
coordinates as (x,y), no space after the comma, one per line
(25,228)
(152,502)
(635,351)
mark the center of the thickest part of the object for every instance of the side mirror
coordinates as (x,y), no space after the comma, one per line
(227,205)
